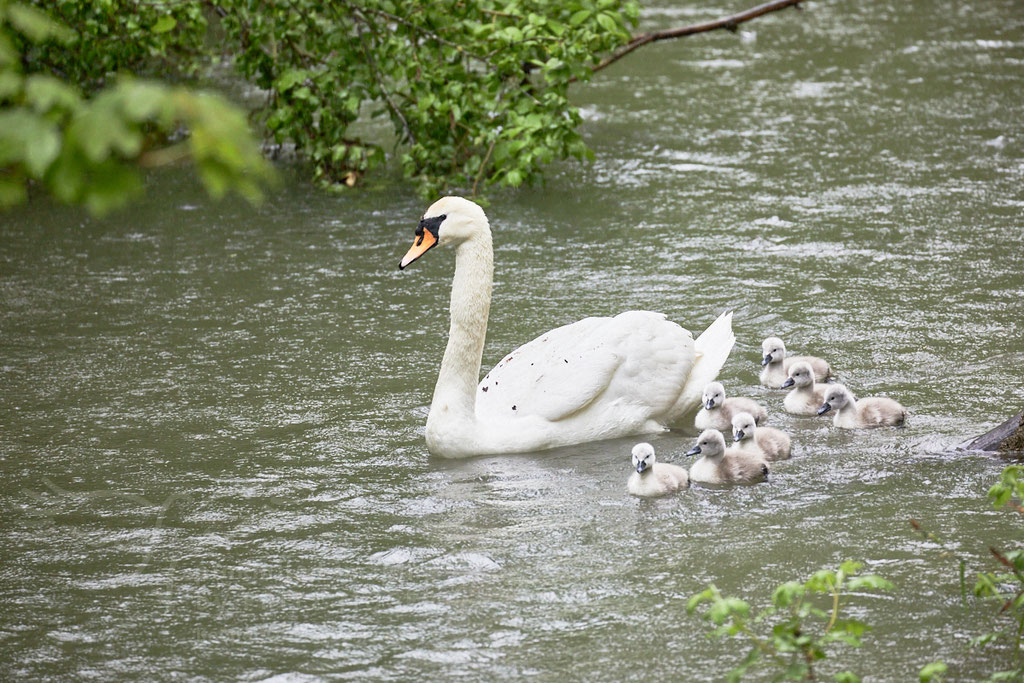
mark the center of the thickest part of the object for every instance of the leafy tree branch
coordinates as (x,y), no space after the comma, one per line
(476,91)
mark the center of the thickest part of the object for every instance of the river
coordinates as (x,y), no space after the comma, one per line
(212,462)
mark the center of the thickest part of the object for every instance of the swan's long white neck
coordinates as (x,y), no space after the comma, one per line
(455,391)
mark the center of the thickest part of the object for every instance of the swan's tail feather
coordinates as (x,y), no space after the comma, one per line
(712,349)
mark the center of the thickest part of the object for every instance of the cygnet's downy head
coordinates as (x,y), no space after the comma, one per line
(643,457)
(709,444)
(714,395)
(743,426)
(837,397)
(449,220)
(800,375)
(773,350)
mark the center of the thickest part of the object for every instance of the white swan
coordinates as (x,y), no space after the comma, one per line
(718,410)
(598,378)
(653,478)
(776,364)
(851,413)
(721,465)
(773,444)
(808,396)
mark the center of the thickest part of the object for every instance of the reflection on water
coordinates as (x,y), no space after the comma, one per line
(212,418)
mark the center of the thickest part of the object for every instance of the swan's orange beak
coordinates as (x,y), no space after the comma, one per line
(424,241)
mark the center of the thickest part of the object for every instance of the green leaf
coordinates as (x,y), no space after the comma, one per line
(142,101)
(111,186)
(933,671)
(787,593)
(512,34)
(705,595)
(101,129)
(164,24)
(10,83)
(607,22)
(868,582)
(44,92)
(579,16)
(27,138)
(290,78)
(8,54)
(849,567)
(36,25)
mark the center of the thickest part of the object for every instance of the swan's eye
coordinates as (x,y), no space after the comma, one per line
(431,224)
(426,237)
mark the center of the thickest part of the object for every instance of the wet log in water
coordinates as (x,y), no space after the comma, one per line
(1006,438)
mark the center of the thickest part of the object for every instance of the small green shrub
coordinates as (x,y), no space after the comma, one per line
(797,630)
(1005,587)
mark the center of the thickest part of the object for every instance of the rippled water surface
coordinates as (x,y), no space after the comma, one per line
(211,424)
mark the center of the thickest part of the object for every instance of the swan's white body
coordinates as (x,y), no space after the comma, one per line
(598,378)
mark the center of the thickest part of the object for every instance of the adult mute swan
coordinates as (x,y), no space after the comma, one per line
(599,378)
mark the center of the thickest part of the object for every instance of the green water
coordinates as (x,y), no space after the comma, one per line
(211,421)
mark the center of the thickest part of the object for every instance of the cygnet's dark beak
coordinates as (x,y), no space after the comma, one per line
(641,466)
(824,409)
(693,451)
(788,383)
(738,436)
(710,404)
(766,360)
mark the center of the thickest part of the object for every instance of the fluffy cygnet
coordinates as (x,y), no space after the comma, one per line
(653,478)
(718,410)
(873,411)
(773,444)
(776,364)
(807,396)
(719,465)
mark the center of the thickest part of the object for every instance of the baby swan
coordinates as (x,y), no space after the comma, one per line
(807,396)
(718,410)
(718,465)
(776,364)
(773,444)
(873,411)
(653,478)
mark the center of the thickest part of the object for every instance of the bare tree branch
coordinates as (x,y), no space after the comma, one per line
(728,23)
(376,72)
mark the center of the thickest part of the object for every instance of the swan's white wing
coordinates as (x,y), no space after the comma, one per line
(713,347)
(634,361)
